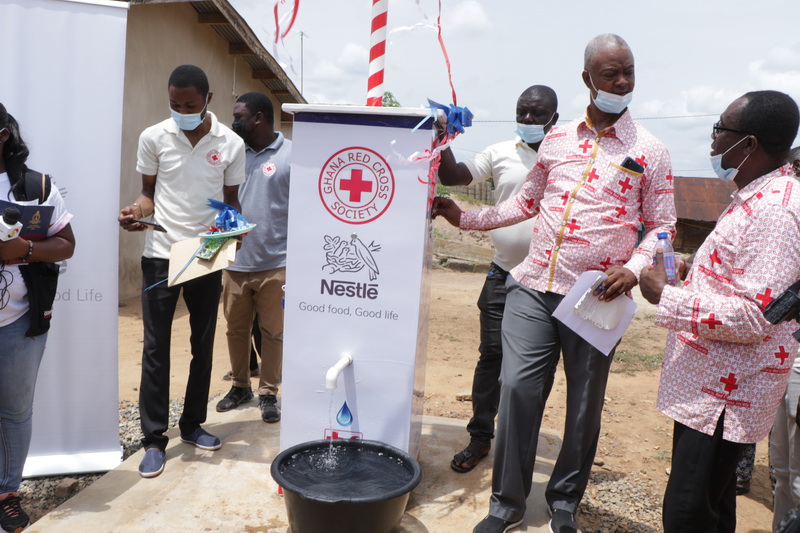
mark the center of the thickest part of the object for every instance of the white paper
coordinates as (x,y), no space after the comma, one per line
(603,340)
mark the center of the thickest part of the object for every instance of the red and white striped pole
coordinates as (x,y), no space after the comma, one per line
(377,53)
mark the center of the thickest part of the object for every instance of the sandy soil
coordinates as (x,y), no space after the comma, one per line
(636,439)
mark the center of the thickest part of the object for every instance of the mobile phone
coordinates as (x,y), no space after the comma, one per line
(157,227)
(632,164)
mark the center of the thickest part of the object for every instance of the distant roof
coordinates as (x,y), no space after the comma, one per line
(243,43)
(702,199)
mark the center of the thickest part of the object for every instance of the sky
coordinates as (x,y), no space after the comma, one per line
(693,58)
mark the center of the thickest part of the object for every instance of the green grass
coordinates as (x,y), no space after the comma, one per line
(632,362)
(466,199)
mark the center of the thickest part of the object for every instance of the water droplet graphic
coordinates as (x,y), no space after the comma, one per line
(344,417)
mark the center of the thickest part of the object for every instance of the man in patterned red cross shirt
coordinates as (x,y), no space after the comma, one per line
(595,181)
(725,366)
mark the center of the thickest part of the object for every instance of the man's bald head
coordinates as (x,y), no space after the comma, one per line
(543,93)
(606,41)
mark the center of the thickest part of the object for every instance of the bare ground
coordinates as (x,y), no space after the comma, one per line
(633,457)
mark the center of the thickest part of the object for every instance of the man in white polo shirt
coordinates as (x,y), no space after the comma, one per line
(184,161)
(507,164)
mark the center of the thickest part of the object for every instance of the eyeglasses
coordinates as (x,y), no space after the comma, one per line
(717,128)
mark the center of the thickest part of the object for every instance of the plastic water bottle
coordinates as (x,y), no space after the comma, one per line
(669,257)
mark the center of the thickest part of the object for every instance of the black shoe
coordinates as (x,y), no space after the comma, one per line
(562,522)
(269,408)
(742,487)
(492,524)
(12,517)
(235,397)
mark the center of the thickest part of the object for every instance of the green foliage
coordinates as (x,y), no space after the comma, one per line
(389,100)
(442,190)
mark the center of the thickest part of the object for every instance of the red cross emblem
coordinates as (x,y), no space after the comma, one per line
(355,185)
(625,184)
(214,158)
(529,202)
(548,253)
(593,175)
(621,210)
(606,263)
(585,146)
(711,321)
(565,197)
(715,258)
(573,226)
(782,354)
(669,178)
(641,160)
(730,382)
(765,298)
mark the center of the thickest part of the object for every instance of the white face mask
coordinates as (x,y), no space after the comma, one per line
(189,121)
(610,102)
(726,174)
(532,133)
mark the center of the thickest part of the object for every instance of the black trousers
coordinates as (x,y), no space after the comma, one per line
(701,491)
(158,309)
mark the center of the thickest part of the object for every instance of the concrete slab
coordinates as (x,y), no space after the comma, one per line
(231,490)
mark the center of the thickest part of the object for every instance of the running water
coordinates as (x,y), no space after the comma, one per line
(330,460)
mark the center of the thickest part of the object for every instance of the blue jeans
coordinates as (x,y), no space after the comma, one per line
(19,364)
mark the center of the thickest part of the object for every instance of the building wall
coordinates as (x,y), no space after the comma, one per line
(161,37)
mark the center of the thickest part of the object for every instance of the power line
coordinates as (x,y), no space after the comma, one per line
(666,117)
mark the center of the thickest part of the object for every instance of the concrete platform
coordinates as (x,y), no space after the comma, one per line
(231,490)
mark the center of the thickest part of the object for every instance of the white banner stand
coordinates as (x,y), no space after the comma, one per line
(81,44)
(357,275)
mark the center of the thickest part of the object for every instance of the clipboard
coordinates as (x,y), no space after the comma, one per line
(184,251)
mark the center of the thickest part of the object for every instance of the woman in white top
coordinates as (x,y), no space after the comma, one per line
(22,335)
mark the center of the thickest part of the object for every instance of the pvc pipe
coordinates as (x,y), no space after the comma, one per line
(332,376)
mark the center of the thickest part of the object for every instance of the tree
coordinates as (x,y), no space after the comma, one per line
(389,100)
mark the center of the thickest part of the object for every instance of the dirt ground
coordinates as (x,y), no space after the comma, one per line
(635,441)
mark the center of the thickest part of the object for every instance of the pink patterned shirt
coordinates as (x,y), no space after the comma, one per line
(721,353)
(589,207)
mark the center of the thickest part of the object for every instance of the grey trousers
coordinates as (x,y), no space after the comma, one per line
(532,340)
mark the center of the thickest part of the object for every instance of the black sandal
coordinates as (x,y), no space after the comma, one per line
(466,455)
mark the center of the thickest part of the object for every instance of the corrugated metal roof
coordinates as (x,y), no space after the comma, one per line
(702,199)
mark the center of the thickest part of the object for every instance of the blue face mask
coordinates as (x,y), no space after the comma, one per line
(532,133)
(726,174)
(189,121)
(610,102)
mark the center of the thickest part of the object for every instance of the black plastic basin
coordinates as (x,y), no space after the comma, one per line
(362,488)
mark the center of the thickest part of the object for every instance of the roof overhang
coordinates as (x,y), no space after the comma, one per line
(242,44)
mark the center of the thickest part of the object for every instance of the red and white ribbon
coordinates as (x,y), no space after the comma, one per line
(377,52)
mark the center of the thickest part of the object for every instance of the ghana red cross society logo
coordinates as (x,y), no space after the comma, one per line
(268,169)
(214,158)
(356,185)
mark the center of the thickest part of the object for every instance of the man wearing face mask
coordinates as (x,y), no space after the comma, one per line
(254,283)
(725,366)
(184,160)
(595,181)
(506,164)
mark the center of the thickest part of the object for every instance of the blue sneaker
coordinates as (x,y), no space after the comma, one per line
(202,439)
(152,463)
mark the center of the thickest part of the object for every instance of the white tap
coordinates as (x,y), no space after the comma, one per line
(333,372)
